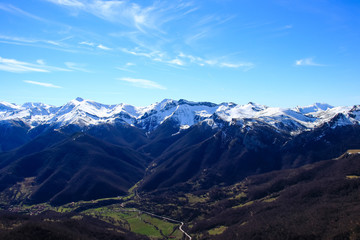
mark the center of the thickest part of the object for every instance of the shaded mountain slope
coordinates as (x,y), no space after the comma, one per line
(79,168)
(221,157)
(318,201)
(203,157)
(119,134)
(322,143)
(41,142)
(13,134)
(167,138)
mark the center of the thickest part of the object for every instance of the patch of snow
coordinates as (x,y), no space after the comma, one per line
(184,127)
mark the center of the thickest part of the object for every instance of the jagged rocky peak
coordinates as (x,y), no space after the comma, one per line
(340,119)
(355,108)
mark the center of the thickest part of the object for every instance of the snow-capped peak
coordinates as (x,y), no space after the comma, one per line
(184,113)
(228,112)
(316,107)
(4,106)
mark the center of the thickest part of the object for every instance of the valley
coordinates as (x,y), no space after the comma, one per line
(316,201)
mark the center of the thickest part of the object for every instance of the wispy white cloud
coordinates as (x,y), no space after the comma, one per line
(26,40)
(49,85)
(214,20)
(245,65)
(76,67)
(40,61)
(15,66)
(177,61)
(87,43)
(197,36)
(156,56)
(142,83)
(307,62)
(141,18)
(126,67)
(205,27)
(62,44)
(103,47)
(14,10)
(146,28)
(132,14)
(216,63)
(183,59)
(95,45)
(129,64)
(70,3)
(44,43)
(12,65)
(137,52)
(192,58)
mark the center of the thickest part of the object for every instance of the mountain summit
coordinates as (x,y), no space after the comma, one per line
(84,113)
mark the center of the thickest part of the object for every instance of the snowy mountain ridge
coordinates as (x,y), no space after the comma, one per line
(184,113)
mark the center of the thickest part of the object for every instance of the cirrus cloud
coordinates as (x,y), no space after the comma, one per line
(129,13)
(307,62)
(142,83)
(15,66)
(103,47)
(49,85)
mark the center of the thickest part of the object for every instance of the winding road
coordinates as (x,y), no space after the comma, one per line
(165,218)
(170,220)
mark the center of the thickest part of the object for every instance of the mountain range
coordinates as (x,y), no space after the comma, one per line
(86,150)
(85,113)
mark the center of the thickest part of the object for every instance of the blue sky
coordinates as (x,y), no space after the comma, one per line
(275,52)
